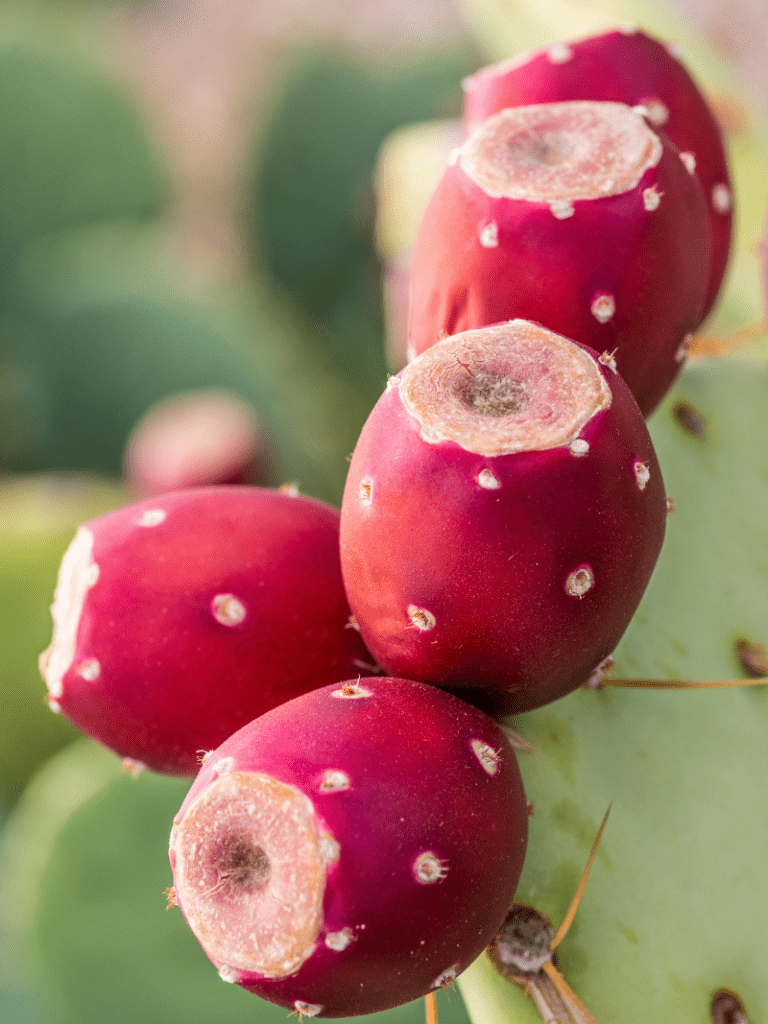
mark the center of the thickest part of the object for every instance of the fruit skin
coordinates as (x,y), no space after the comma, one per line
(632,67)
(653,262)
(491,564)
(209,606)
(416,784)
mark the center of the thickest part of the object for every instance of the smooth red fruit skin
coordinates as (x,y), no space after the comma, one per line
(155,675)
(626,66)
(654,263)
(491,565)
(416,784)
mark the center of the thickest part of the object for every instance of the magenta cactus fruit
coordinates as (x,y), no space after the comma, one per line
(576,216)
(353,849)
(502,516)
(180,618)
(626,66)
(193,439)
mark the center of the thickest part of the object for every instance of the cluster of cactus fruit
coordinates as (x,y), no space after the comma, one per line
(503,514)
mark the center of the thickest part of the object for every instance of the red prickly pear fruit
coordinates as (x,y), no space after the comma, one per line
(194,439)
(576,216)
(502,516)
(625,66)
(178,619)
(353,849)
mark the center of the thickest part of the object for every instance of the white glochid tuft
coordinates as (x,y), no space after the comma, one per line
(580,581)
(683,349)
(153,517)
(307,1009)
(722,200)
(651,198)
(562,209)
(487,756)
(579,447)
(559,53)
(488,480)
(446,977)
(603,307)
(228,610)
(642,474)
(351,691)
(334,780)
(689,162)
(421,618)
(338,941)
(428,868)
(655,110)
(608,359)
(330,850)
(365,492)
(90,670)
(489,235)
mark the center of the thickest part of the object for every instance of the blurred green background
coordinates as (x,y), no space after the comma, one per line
(187,201)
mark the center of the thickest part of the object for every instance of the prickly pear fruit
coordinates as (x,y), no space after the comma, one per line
(579,217)
(503,513)
(193,439)
(353,849)
(178,619)
(626,66)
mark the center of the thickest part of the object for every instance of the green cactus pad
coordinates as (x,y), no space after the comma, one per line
(677,903)
(71,150)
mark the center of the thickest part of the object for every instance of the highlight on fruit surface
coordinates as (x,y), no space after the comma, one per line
(353,849)
(575,215)
(624,65)
(503,513)
(180,618)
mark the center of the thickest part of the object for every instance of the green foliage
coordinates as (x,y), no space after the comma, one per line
(71,151)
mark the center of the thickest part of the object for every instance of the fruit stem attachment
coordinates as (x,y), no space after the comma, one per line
(430,1005)
(568,919)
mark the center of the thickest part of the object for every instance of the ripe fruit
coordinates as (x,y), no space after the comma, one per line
(194,439)
(625,66)
(180,618)
(576,216)
(353,849)
(503,512)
